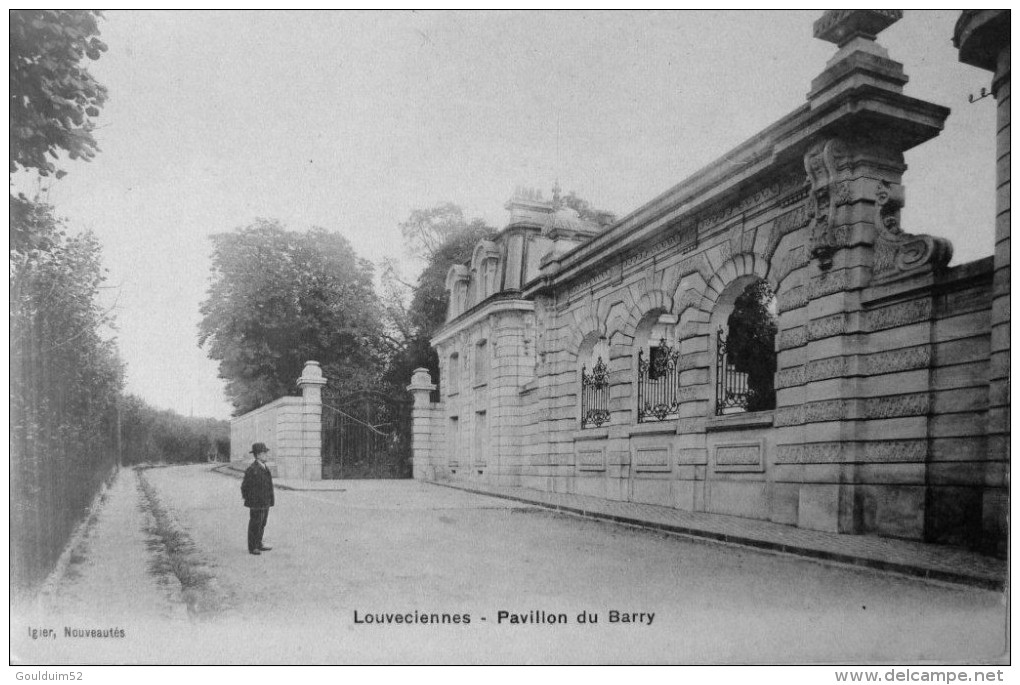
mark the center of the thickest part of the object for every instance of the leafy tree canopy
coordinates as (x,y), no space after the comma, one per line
(428,230)
(150,435)
(430,299)
(57,323)
(279,298)
(66,376)
(53,97)
(442,236)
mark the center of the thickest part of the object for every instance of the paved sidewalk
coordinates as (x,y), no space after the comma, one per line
(105,587)
(931,562)
(113,555)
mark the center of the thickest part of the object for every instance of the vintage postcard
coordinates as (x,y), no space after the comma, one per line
(510,337)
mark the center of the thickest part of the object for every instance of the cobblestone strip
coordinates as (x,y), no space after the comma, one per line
(929,562)
(175,558)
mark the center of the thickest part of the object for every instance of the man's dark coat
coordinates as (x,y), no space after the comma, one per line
(257,487)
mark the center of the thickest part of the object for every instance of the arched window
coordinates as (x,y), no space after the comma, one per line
(746,353)
(594,358)
(658,369)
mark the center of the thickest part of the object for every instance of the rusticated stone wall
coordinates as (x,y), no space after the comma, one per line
(888,405)
(983,38)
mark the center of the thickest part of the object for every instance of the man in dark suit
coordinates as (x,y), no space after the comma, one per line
(257,490)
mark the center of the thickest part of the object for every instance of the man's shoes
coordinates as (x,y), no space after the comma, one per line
(254,551)
(264,548)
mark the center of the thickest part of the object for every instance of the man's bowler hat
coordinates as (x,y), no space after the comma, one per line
(259,447)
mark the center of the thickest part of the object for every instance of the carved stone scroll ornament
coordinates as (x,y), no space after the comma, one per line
(898,253)
(828,166)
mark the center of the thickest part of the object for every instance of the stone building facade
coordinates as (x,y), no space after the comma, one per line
(594,361)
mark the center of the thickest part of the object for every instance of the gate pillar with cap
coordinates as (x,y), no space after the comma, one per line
(309,457)
(423,415)
(290,426)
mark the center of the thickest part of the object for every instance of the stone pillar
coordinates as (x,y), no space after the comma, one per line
(309,464)
(512,333)
(983,38)
(857,255)
(422,425)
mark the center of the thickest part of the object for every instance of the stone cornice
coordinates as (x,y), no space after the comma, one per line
(478,313)
(980,35)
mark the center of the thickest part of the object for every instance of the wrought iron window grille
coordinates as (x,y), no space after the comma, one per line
(595,395)
(732,393)
(659,383)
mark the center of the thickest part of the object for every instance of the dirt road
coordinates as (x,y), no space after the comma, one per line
(356,576)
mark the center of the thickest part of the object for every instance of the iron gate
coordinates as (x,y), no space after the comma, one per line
(366,435)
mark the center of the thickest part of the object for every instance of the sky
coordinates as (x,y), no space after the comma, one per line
(350,120)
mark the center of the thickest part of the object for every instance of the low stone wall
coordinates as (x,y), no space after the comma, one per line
(291,427)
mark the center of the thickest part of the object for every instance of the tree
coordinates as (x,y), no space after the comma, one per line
(430,299)
(53,97)
(151,435)
(280,298)
(428,230)
(751,343)
(442,237)
(65,381)
(66,376)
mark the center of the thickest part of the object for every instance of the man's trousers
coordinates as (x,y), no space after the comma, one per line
(256,526)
